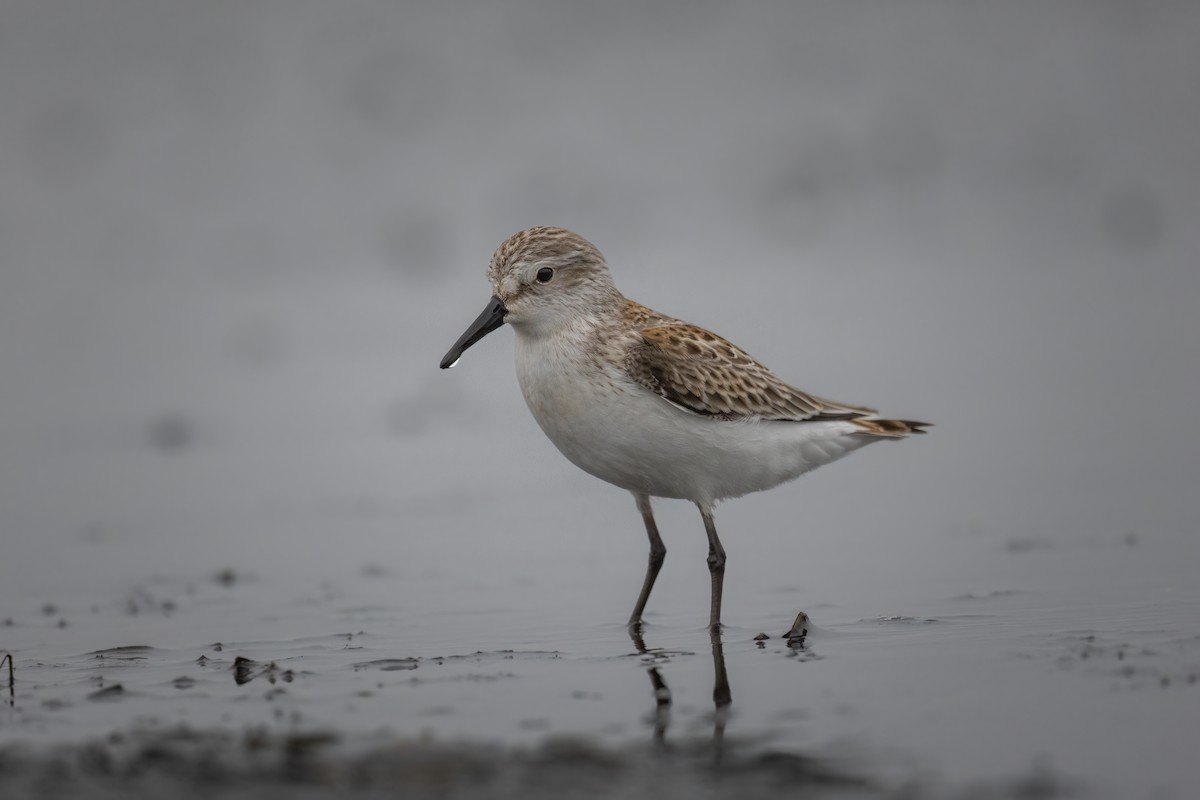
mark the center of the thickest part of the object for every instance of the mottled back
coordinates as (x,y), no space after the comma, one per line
(697,370)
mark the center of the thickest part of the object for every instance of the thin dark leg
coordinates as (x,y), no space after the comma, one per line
(722,696)
(658,554)
(716,567)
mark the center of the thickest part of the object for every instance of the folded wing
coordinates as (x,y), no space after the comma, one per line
(698,371)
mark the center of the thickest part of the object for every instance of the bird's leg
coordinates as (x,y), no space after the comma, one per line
(722,696)
(716,567)
(658,553)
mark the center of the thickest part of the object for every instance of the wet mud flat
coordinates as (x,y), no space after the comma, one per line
(293,756)
(998,695)
(186,763)
(256,763)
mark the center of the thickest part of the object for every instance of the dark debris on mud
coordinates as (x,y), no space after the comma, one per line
(1132,665)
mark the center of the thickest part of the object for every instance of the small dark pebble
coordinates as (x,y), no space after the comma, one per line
(762,637)
(243,670)
(184,682)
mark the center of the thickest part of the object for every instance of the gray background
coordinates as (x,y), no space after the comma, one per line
(236,238)
(258,226)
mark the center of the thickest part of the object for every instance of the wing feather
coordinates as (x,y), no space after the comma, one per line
(699,371)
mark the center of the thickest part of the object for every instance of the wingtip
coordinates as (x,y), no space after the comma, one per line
(891,428)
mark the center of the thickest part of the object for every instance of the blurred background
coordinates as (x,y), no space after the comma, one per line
(236,238)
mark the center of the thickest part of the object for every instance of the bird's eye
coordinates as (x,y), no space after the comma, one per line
(545,274)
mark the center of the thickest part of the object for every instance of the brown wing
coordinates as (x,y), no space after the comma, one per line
(699,371)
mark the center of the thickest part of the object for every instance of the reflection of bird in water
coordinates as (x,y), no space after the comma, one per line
(722,696)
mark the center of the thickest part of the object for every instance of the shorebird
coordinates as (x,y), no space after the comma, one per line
(650,403)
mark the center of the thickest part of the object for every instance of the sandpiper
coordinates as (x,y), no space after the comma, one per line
(650,403)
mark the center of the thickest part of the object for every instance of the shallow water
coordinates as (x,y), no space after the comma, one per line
(1092,690)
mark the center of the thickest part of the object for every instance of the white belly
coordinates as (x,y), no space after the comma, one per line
(631,437)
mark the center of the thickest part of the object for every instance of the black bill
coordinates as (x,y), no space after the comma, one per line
(491,318)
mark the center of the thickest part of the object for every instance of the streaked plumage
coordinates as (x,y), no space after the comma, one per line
(651,403)
(699,371)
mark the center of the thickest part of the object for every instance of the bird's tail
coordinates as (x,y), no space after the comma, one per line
(889,428)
